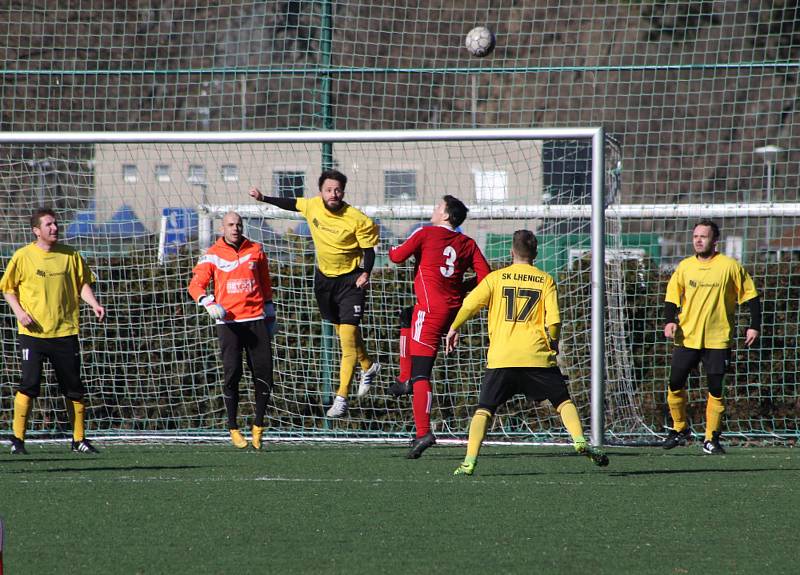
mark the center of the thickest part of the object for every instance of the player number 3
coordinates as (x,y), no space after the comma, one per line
(449,262)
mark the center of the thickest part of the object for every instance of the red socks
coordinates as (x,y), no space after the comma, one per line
(405,359)
(423,395)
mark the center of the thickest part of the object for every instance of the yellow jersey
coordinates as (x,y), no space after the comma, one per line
(707,293)
(522,302)
(48,285)
(339,237)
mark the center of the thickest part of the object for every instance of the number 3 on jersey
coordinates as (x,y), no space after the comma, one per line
(511,295)
(449,261)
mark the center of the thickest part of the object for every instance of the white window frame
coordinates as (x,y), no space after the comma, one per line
(491,186)
(399,199)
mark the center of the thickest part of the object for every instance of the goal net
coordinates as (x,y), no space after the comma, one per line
(142,207)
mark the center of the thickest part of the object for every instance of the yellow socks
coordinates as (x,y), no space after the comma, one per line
(77,417)
(361,352)
(348,338)
(572,421)
(677,401)
(22,408)
(714,411)
(477,431)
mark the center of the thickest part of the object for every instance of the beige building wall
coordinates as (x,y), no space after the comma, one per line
(148,195)
(506,173)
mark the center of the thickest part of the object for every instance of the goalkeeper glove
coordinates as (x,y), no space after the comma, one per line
(215,310)
(269,317)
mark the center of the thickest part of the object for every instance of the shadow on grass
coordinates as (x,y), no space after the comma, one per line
(646,472)
(107,468)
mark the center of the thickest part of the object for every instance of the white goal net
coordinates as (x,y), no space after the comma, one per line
(142,207)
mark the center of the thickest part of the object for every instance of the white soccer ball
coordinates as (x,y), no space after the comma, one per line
(480,41)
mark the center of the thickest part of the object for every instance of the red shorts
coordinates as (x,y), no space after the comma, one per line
(427,330)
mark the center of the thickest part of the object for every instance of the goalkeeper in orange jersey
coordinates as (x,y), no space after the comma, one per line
(345,240)
(706,288)
(44,284)
(524,327)
(245,318)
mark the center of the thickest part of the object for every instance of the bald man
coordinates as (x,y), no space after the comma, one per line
(242,308)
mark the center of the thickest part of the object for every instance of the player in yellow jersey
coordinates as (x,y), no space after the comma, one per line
(524,327)
(345,240)
(706,288)
(43,284)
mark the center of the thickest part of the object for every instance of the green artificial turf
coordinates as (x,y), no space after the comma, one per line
(303,508)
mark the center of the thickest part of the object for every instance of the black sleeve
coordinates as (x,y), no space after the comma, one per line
(670,312)
(369,259)
(755,313)
(283,203)
(469,284)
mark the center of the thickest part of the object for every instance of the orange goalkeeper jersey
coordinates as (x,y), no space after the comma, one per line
(241,279)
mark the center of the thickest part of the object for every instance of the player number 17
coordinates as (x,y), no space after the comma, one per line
(527,295)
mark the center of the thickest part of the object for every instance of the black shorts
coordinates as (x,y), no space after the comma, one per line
(338,298)
(535,383)
(64,354)
(715,361)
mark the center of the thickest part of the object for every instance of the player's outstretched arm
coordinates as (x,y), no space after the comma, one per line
(256,194)
(289,204)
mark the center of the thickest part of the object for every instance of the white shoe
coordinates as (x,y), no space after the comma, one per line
(367,377)
(339,407)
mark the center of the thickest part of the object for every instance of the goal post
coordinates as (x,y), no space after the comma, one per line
(142,206)
(595,136)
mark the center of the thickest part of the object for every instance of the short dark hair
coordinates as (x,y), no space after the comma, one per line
(36,217)
(332,175)
(455,209)
(714,227)
(525,244)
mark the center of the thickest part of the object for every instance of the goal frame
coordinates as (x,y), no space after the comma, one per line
(594,135)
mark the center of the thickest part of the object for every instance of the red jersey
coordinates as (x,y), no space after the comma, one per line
(442,257)
(241,279)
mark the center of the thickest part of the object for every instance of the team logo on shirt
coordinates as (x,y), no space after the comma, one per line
(46,274)
(696,284)
(240,285)
(320,225)
(357,310)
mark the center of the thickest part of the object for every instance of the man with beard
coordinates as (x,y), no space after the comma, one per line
(345,240)
(706,288)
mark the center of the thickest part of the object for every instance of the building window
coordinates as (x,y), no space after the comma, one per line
(197,174)
(162,173)
(567,174)
(288,184)
(399,185)
(229,172)
(130,173)
(491,187)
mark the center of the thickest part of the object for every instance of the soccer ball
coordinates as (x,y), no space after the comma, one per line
(480,41)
